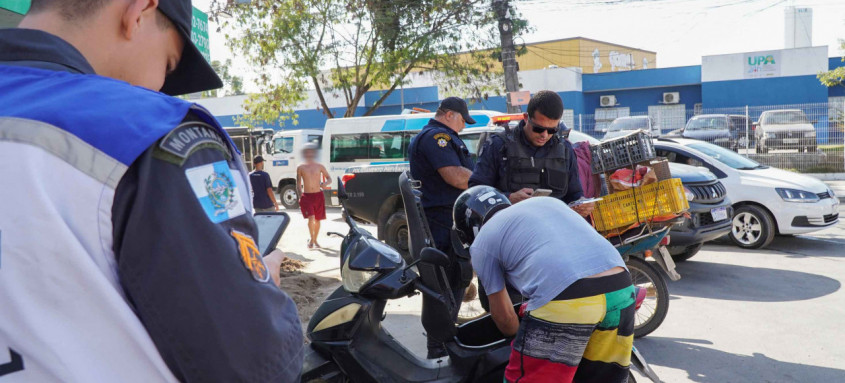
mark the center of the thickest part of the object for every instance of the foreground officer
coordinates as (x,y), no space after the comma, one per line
(532,156)
(133,259)
(441,162)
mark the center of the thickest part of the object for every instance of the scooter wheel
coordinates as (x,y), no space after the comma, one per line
(656,305)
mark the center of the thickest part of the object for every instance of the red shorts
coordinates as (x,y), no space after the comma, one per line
(313,204)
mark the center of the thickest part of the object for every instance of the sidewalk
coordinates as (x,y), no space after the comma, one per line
(838,188)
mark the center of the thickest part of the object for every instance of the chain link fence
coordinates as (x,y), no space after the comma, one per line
(806,138)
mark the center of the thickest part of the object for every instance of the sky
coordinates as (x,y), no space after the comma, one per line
(680,31)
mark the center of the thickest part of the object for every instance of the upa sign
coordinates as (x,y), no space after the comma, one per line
(199,32)
(762,64)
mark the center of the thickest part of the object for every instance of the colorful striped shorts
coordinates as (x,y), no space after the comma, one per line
(581,336)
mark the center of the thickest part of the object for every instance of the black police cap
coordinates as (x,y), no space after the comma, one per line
(457,105)
(194,73)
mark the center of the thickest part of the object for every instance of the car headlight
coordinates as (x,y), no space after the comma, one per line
(810,134)
(354,280)
(795,195)
(690,195)
(832,194)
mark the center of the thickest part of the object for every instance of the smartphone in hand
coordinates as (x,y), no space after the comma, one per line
(541,193)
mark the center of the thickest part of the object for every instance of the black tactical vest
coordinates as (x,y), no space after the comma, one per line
(525,171)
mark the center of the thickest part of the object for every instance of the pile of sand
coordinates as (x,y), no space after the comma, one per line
(307,290)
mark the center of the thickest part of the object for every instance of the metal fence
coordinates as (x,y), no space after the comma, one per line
(806,138)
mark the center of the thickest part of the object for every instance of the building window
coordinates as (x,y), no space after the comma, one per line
(668,117)
(604,116)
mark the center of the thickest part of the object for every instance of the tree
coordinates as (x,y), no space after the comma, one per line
(232,85)
(834,76)
(345,48)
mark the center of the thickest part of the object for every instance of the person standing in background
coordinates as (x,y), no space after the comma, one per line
(311,178)
(263,198)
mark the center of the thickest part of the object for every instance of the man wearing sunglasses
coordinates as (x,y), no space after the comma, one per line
(532,156)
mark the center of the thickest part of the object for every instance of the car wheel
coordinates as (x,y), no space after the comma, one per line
(397,234)
(682,253)
(287,193)
(752,227)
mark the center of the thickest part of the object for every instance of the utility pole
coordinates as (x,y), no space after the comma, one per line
(501,8)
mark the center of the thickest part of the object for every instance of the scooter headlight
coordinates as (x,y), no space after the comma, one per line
(354,280)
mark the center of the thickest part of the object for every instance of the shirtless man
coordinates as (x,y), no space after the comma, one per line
(311,178)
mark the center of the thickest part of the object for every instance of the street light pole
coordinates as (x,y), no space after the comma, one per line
(509,64)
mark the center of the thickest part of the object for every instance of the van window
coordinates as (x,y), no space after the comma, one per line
(349,147)
(316,139)
(387,145)
(471,141)
(283,145)
(785,117)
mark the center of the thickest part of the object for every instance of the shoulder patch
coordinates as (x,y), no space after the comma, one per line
(442,139)
(189,137)
(251,257)
(217,190)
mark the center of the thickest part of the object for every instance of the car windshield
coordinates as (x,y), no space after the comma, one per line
(576,137)
(725,156)
(620,124)
(707,123)
(786,117)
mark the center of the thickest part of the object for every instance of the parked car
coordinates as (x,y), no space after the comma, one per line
(766,201)
(785,129)
(624,125)
(728,131)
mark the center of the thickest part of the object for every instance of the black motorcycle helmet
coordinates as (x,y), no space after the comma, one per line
(473,208)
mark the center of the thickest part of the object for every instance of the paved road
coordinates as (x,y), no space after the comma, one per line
(773,315)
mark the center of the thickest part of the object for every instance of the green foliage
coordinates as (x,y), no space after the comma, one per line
(834,76)
(232,85)
(345,48)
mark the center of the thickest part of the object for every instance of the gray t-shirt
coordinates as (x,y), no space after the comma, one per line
(541,247)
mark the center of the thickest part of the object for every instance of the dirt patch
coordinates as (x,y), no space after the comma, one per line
(307,290)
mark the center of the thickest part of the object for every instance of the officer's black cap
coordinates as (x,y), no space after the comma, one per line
(458,105)
(194,73)
(257,160)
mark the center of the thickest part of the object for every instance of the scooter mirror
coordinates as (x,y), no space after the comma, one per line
(341,190)
(435,257)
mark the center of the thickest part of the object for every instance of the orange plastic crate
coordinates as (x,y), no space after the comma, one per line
(640,204)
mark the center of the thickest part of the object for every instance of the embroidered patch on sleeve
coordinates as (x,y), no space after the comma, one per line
(191,136)
(442,139)
(251,257)
(216,188)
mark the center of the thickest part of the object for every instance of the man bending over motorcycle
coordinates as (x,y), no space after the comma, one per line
(578,322)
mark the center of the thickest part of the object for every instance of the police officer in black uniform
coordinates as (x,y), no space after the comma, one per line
(181,264)
(532,156)
(441,162)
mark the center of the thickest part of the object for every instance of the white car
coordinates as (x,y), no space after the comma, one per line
(767,201)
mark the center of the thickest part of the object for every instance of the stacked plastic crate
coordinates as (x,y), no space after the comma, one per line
(640,204)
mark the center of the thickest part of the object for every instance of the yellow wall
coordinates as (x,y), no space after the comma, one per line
(580,53)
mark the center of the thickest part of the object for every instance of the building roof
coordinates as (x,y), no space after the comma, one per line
(587,39)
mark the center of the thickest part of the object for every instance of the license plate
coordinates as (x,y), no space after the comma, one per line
(790,140)
(719,214)
(280,163)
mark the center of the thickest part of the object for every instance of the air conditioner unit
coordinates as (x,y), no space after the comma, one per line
(608,100)
(671,98)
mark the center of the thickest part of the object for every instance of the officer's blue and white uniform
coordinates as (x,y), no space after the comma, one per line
(125,234)
(438,146)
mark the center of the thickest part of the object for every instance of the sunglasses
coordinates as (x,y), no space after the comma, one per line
(540,129)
